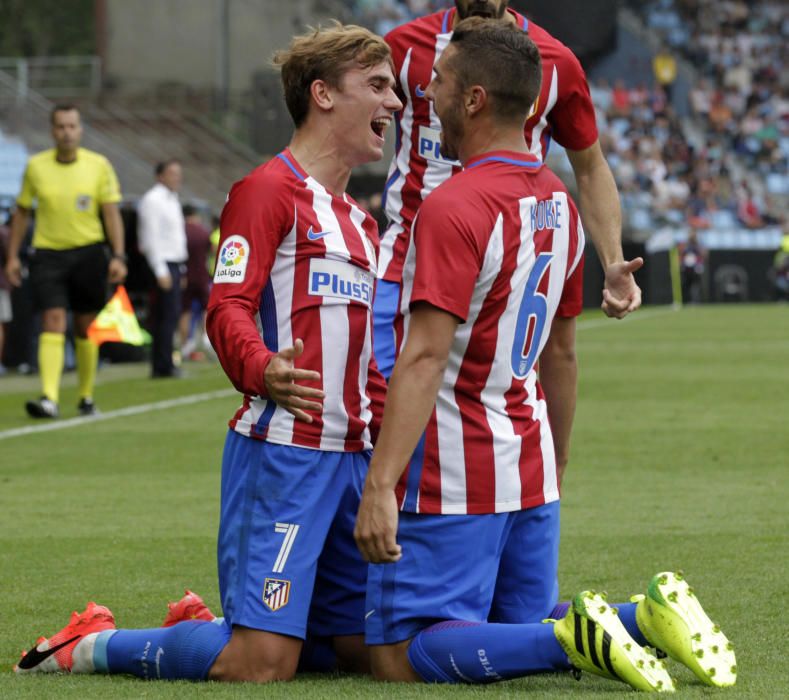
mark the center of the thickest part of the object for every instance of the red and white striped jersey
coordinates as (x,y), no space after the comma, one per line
(563,111)
(296,261)
(500,246)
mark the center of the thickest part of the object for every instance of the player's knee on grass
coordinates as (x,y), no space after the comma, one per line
(390,663)
(257,656)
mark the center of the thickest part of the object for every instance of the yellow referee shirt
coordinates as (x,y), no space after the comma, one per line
(68,197)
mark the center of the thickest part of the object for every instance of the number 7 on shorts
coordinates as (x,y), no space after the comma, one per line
(290,530)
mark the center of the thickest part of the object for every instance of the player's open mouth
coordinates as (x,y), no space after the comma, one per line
(380,125)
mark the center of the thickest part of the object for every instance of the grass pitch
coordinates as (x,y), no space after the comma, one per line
(679,462)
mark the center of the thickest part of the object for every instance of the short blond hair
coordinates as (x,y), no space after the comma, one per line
(325,53)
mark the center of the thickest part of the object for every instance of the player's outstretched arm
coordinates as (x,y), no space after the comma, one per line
(602,218)
(410,399)
(282,385)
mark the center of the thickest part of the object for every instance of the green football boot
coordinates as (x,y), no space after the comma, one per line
(597,642)
(672,619)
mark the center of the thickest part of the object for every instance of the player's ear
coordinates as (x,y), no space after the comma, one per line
(321,94)
(475,99)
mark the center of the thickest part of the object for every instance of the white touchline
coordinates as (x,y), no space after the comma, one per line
(221,393)
(637,316)
(119,413)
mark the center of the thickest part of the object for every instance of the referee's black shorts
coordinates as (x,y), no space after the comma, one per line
(74,279)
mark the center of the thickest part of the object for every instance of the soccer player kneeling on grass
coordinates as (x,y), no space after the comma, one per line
(458,589)
(290,319)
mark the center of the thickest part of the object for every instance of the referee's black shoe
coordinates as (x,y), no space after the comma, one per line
(43,408)
(86,407)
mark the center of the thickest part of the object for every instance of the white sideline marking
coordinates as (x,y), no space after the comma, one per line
(195,398)
(637,316)
(130,411)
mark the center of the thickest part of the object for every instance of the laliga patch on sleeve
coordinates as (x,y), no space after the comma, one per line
(232,260)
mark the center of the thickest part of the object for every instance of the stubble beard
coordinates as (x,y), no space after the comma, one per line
(496,12)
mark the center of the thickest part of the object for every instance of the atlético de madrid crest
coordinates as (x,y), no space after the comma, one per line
(276,593)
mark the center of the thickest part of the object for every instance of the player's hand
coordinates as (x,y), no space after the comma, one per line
(13,271)
(376,526)
(165,282)
(281,379)
(621,294)
(117,271)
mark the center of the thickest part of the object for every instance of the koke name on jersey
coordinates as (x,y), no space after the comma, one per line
(547,213)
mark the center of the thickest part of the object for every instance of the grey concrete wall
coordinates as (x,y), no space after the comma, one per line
(162,41)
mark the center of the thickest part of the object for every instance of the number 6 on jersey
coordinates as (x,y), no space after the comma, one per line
(534,305)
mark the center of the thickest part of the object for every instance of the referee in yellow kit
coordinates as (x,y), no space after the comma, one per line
(71,264)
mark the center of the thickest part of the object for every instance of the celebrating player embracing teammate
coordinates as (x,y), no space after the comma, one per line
(562,112)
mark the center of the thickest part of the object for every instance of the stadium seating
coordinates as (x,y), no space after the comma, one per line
(734,53)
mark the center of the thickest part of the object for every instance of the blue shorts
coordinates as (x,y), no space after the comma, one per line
(286,552)
(387,298)
(500,567)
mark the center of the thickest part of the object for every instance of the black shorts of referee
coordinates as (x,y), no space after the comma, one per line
(75,278)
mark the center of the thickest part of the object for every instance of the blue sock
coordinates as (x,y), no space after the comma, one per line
(185,651)
(627,615)
(470,652)
(560,610)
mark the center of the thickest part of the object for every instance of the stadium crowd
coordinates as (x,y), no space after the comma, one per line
(727,168)
(738,101)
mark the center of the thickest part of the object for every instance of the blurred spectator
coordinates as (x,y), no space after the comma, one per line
(214,244)
(692,263)
(198,282)
(779,274)
(664,66)
(748,212)
(5,293)
(162,239)
(620,99)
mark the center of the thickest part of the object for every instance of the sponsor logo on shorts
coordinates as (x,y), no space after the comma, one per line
(276,592)
(83,202)
(231,264)
(336,279)
(430,146)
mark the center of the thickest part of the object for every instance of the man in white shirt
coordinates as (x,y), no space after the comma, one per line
(161,235)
